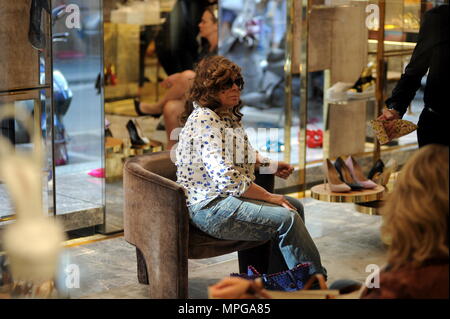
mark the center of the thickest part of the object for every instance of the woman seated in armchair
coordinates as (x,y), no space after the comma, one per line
(216,164)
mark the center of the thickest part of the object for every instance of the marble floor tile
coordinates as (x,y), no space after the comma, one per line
(347,241)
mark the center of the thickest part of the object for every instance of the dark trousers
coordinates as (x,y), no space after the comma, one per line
(432,128)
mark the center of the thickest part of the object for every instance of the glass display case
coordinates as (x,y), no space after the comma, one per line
(57,80)
(79,119)
(25,84)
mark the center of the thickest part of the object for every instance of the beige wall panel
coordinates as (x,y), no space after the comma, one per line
(349,45)
(347,129)
(19,62)
(121,49)
(319,50)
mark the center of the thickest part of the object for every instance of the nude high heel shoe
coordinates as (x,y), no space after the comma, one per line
(356,172)
(345,175)
(332,176)
(390,168)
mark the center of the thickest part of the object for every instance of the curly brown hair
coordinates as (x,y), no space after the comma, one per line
(211,76)
(415,217)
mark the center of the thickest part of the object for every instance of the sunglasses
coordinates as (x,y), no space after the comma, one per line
(229,84)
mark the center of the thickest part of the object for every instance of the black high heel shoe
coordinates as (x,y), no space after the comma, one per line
(346,176)
(137,108)
(377,169)
(365,85)
(135,137)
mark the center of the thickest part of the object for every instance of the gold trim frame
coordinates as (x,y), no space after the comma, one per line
(297,17)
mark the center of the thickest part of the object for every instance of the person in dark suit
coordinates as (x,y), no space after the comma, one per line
(430,54)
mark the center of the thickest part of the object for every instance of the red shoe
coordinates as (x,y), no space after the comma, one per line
(98,172)
(314,138)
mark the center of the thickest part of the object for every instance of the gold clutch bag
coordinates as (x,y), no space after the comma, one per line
(401,128)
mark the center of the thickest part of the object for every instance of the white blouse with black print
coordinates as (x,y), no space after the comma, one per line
(208,163)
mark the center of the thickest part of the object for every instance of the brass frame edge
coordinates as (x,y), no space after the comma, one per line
(306,5)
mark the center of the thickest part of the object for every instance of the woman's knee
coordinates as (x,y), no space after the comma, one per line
(188,75)
(173,107)
(287,218)
(298,205)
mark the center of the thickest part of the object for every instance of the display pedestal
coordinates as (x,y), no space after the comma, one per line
(370,208)
(322,192)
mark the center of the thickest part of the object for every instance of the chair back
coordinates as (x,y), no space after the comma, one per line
(158,163)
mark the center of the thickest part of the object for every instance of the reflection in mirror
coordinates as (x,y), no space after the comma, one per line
(78,112)
(19,137)
(253,35)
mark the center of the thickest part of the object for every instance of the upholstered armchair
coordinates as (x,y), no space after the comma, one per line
(156,222)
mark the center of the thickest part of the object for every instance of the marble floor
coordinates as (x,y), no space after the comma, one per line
(347,240)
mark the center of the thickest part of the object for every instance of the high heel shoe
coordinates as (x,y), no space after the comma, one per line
(376,169)
(330,174)
(136,138)
(137,109)
(365,85)
(390,168)
(346,176)
(357,174)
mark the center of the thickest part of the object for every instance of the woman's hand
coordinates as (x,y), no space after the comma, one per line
(279,199)
(237,288)
(284,170)
(388,117)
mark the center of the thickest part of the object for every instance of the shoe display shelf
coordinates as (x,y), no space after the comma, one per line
(366,201)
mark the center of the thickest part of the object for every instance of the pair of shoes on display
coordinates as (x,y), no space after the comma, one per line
(381,173)
(345,176)
(364,87)
(136,137)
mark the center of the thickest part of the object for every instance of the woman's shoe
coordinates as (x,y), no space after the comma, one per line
(346,176)
(98,172)
(332,176)
(140,132)
(137,109)
(357,174)
(377,169)
(365,85)
(390,168)
(136,139)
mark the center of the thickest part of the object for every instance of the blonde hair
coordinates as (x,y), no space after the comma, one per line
(415,217)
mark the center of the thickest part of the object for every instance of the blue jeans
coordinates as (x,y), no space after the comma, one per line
(238,218)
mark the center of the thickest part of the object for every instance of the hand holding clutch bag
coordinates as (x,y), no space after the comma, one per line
(401,128)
